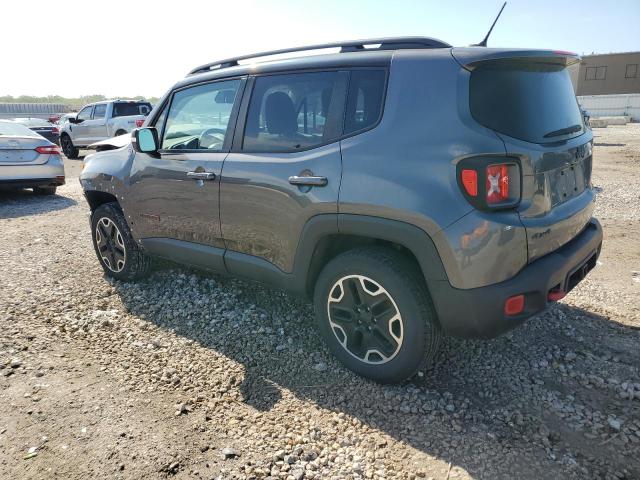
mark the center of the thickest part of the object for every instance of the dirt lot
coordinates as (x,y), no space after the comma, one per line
(189,376)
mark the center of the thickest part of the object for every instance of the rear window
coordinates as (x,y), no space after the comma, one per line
(364,105)
(125,109)
(534,102)
(10,129)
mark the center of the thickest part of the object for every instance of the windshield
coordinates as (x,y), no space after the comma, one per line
(124,109)
(534,102)
(11,129)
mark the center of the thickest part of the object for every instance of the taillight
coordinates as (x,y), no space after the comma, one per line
(497,183)
(50,150)
(490,182)
(139,123)
(470,181)
(55,130)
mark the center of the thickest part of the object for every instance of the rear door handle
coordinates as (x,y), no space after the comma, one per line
(310,181)
(201,175)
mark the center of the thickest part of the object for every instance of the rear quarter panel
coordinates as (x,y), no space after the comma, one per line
(405,169)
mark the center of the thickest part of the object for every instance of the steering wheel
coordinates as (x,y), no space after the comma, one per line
(212,138)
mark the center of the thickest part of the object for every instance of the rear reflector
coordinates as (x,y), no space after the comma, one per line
(514,305)
(51,150)
(470,181)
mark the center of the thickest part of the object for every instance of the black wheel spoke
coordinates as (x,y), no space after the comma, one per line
(365,319)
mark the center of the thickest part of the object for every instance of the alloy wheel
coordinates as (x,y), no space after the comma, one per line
(365,319)
(110,245)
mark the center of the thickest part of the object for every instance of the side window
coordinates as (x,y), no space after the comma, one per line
(198,117)
(365,100)
(295,111)
(99,111)
(85,113)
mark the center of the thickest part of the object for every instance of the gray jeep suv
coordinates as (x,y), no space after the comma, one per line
(410,188)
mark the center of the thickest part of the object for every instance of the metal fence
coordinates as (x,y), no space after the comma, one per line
(612,105)
(35,110)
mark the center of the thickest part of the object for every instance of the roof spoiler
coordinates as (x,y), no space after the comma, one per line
(470,58)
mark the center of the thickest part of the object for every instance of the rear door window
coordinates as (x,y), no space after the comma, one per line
(295,111)
(366,97)
(530,101)
(99,111)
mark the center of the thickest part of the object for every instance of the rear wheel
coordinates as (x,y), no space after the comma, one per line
(375,313)
(44,190)
(117,251)
(120,132)
(69,150)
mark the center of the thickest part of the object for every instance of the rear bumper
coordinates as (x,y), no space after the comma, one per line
(479,312)
(31,182)
(24,176)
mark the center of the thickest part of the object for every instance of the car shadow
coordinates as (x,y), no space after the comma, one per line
(501,408)
(24,202)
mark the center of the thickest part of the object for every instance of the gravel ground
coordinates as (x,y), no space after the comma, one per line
(192,376)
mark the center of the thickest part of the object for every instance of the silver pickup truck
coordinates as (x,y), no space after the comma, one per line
(99,121)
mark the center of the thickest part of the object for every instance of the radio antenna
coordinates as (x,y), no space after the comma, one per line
(483,43)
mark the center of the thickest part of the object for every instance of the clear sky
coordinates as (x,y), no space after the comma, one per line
(129,47)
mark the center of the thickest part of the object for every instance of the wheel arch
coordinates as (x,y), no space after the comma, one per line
(326,236)
(95,198)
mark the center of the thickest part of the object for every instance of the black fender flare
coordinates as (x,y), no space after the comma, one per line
(414,239)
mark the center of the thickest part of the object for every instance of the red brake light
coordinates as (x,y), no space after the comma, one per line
(514,305)
(470,181)
(50,150)
(55,130)
(139,123)
(497,183)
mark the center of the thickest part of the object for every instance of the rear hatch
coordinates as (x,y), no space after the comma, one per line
(527,98)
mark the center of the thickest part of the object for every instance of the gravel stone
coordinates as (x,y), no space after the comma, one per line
(243,365)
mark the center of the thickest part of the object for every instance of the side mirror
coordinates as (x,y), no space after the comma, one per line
(72,119)
(145,140)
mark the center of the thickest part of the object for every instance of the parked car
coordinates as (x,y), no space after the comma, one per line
(41,127)
(28,160)
(99,121)
(411,189)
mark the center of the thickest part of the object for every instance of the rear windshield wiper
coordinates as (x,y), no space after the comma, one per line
(564,131)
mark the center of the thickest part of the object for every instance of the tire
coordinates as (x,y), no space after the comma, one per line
(69,150)
(394,292)
(44,190)
(118,253)
(120,132)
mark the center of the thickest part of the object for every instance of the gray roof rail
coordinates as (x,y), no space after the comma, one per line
(387,43)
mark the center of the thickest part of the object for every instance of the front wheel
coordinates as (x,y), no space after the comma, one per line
(69,150)
(120,132)
(117,251)
(375,313)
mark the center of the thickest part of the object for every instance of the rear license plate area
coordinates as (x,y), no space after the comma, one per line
(578,274)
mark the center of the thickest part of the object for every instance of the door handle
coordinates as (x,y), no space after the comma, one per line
(201,175)
(310,181)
